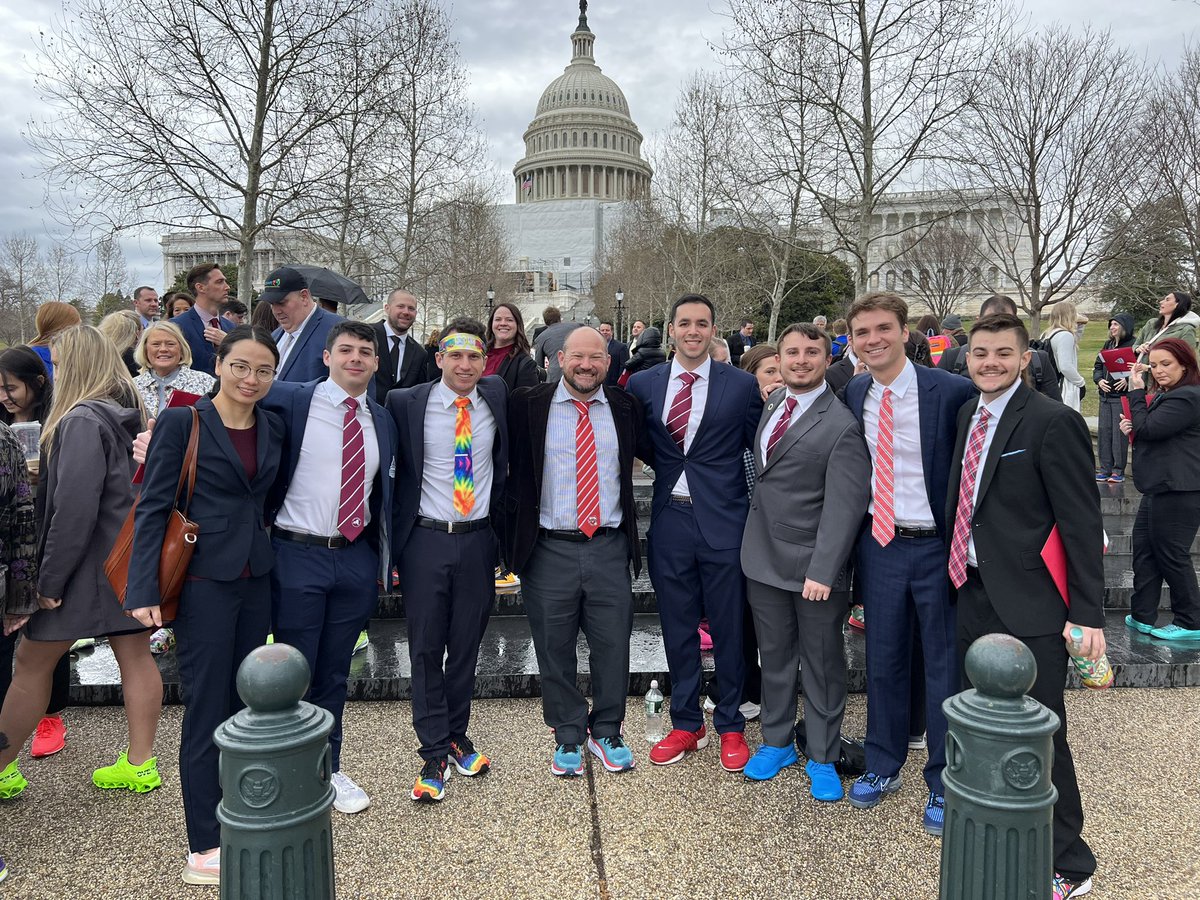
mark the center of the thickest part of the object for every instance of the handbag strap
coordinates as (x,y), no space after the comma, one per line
(187,471)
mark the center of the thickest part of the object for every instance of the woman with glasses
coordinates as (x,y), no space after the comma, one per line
(225,607)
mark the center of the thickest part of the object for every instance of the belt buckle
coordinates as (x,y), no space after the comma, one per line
(331,542)
(451,528)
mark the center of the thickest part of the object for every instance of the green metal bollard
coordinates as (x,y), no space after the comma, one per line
(998,841)
(276,842)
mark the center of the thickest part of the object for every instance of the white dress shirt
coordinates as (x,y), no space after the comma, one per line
(437,477)
(289,339)
(803,403)
(908,466)
(399,341)
(699,399)
(995,411)
(559,508)
(314,494)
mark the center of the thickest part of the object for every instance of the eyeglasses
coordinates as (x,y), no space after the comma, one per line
(241,370)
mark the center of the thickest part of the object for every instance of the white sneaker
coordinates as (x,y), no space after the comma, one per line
(348,798)
(203,868)
(750,710)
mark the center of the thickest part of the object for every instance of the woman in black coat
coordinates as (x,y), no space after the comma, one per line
(1166,442)
(648,353)
(508,349)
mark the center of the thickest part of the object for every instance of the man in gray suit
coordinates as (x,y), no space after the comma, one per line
(814,483)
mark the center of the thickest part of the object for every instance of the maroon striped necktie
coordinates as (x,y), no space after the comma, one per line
(780,428)
(354,462)
(587,473)
(681,409)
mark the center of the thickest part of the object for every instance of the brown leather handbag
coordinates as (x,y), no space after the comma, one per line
(179,539)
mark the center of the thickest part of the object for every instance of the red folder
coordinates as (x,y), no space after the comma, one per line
(178,398)
(1054,555)
(1118,360)
(1127,413)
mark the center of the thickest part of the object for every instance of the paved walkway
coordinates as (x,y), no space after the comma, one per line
(687,831)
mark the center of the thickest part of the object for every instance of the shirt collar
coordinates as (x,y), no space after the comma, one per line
(391,332)
(700,371)
(808,397)
(203,316)
(899,387)
(996,407)
(336,395)
(447,397)
(562,395)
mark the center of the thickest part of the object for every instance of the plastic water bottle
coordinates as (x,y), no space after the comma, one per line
(655,730)
(1097,675)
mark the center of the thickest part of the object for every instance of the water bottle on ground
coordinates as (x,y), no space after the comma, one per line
(655,727)
(1097,675)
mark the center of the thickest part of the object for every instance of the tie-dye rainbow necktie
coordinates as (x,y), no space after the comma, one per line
(464,471)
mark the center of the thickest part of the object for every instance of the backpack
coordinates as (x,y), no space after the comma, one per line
(1043,344)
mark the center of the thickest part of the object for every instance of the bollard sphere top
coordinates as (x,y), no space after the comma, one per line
(999,665)
(272,678)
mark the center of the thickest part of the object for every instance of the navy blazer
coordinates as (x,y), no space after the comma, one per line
(407,406)
(305,361)
(290,401)
(204,354)
(715,463)
(940,395)
(226,505)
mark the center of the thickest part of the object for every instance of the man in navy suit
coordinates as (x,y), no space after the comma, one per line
(330,532)
(203,326)
(909,418)
(303,325)
(700,419)
(618,354)
(451,462)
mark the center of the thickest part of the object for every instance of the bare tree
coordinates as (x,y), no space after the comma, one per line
(1171,135)
(941,265)
(22,274)
(107,275)
(60,269)
(637,260)
(212,114)
(1045,137)
(889,78)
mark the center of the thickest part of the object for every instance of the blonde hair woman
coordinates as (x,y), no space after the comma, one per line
(1061,337)
(52,317)
(165,360)
(123,328)
(85,495)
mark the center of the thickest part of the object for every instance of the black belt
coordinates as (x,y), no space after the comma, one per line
(905,532)
(558,534)
(336,542)
(453,527)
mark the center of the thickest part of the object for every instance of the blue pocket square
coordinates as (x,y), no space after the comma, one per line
(1011,453)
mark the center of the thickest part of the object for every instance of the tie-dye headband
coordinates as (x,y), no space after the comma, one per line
(461,340)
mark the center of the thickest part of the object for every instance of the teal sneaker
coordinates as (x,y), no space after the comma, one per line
(12,782)
(1173,632)
(1141,627)
(768,761)
(614,754)
(567,760)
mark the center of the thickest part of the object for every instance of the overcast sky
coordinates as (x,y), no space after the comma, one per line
(512,49)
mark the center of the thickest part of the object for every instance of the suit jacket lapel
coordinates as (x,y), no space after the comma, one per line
(539,420)
(716,390)
(416,427)
(211,419)
(808,419)
(263,441)
(1004,429)
(410,358)
(928,402)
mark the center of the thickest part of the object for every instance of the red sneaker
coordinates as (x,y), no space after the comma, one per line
(734,752)
(678,744)
(50,737)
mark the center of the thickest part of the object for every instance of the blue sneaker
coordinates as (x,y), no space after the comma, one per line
(1102,476)
(825,786)
(614,754)
(1173,632)
(1116,478)
(869,789)
(768,761)
(568,760)
(1138,626)
(3,870)
(935,814)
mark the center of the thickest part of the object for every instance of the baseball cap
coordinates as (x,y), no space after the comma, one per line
(282,282)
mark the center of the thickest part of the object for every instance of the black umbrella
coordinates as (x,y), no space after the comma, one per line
(330,285)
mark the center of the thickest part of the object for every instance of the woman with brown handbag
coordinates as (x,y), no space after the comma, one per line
(85,493)
(225,606)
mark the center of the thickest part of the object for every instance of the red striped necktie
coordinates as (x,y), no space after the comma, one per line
(681,410)
(354,462)
(587,473)
(883,527)
(966,501)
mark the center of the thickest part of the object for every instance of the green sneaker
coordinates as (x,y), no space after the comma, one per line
(140,779)
(12,782)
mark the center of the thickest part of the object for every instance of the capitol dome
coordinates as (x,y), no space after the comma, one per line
(582,143)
